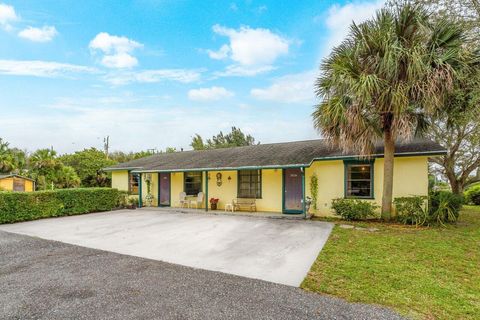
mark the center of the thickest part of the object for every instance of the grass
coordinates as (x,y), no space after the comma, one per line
(423,273)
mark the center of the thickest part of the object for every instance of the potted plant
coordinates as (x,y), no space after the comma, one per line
(213,203)
(132,203)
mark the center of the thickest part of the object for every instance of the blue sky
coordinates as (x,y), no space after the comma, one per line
(152,73)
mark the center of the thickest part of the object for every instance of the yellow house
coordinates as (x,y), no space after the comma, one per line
(13,182)
(273,177)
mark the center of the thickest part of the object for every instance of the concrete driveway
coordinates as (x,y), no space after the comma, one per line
(275,250)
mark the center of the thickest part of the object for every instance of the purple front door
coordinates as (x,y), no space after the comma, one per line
(292,190)
(164,190)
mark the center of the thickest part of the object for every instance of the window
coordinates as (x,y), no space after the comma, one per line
(250,184)
(18,184)
(359,180)
(192,182)
(133,182)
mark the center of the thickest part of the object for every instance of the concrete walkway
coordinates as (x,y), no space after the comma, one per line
(280,251)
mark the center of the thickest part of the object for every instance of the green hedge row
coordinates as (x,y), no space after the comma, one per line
(24,206)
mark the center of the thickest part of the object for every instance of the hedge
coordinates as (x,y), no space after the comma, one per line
(24,206)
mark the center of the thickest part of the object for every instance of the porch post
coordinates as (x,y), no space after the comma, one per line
(158,189)
(140,190)
(206,190)
(303,193)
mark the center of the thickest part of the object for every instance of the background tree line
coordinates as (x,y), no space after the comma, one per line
(84,168)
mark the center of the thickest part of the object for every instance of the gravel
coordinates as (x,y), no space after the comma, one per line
(42,279)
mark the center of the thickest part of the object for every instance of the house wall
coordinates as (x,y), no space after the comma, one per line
(29,186)
(6,184)
(410,178)
(271,189)
(120,180)
(153,188)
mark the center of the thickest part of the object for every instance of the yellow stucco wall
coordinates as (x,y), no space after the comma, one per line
(176,186)
(410,178)
(28,186)
(153,188)
(271,189)
(120,180)
(7,184)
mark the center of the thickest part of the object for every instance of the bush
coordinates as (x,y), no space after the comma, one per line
(444,207)
(24,206)
(411,210)
(353,209)
(472,195)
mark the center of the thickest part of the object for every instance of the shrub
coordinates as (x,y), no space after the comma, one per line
(23,206)
(444,207)
(411,210)
(472,195)
(353,209)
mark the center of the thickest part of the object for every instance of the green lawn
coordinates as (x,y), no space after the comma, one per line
(423,273)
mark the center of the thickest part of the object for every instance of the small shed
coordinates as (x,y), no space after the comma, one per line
(14,182)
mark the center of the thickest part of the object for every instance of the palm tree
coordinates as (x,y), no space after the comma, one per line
(43,159)
(7,161)
(382,80)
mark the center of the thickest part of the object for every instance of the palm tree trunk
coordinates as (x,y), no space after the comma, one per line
(389,151)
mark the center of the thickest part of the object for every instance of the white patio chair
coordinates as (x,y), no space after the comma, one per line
(182,200)
(198,201)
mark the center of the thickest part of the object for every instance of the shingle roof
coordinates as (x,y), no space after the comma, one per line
(298,153)
(3,176)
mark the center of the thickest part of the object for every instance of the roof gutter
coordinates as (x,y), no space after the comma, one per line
(381,155)
(121,169)
(222,168)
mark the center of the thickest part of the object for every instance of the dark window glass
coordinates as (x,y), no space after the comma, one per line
(192,182)
(18,184)
(250,184)
(134,181)
(359,180)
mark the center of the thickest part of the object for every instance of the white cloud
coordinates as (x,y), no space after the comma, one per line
(39,68)
(292,88)
(252,51)
(7,15)
(220,54)
(340,18)
(243,71)
(253,46)
(117,50)
(44,34)
(151,76)
(209,94)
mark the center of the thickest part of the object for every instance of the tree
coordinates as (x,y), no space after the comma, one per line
(120,156)
(88,165)
(197,142)
(379,84)
(465,12)
(236,138)
(6,160)
(458,131)
(67,178)
(49,172)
